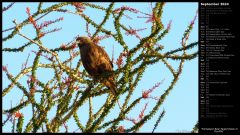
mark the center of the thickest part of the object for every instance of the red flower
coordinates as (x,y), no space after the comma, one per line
(18,115)
(140,116)
(79,6)
(151,17)
(4,68)
(63,46)
(125,8)
(119,61)
(121,129)
(99,38)
(67,80)
(118,10)
(34,81)
(74,53)
(73,46)
(44,24)
(145,94)
(132,31)
(28,11)
(30,18)
(134,121)
(194,19)
(47,23)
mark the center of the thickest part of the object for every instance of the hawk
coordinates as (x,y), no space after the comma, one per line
(96,62)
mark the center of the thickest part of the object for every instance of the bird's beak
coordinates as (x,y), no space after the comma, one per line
(78,42)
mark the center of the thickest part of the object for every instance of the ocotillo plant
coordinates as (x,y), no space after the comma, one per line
(70,88)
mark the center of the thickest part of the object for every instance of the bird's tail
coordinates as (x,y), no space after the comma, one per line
(112,86)
(113,90)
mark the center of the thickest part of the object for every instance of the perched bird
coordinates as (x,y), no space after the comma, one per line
(96,62)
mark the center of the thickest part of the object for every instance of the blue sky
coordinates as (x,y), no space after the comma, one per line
(181,105)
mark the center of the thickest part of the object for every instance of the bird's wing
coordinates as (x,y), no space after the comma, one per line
(87,56)
(104,56)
